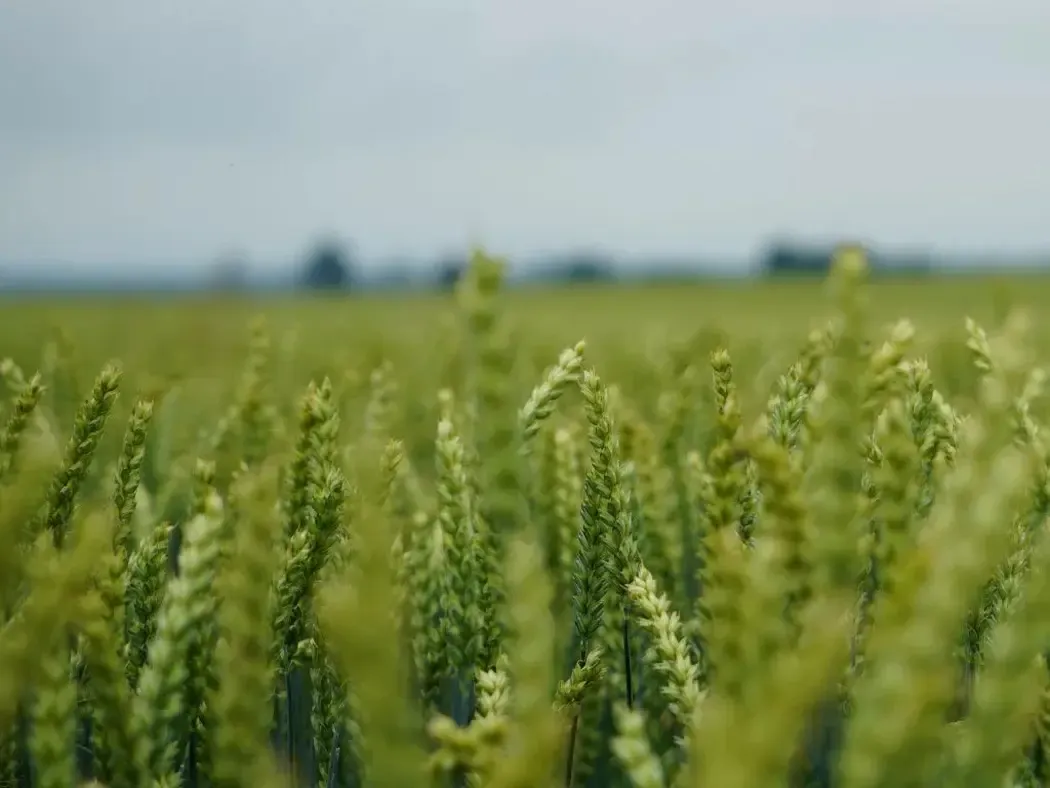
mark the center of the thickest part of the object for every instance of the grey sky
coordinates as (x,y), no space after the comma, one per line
(162,131)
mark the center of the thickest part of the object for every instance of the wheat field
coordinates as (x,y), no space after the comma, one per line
(733,534)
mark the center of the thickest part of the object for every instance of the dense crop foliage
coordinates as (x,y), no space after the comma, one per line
(692,560)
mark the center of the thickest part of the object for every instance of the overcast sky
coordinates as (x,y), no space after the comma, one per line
(162,131)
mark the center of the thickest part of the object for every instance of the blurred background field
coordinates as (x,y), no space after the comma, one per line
(189,350)
(203,334)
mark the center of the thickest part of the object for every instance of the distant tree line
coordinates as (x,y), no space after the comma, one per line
(580,267)
(783,259)
(330,265)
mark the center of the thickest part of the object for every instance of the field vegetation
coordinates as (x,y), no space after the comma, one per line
(727,535)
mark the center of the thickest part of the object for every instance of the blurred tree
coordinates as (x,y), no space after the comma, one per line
(230,273)
(783,259)
(328,267)
(449,271)
(586,267)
